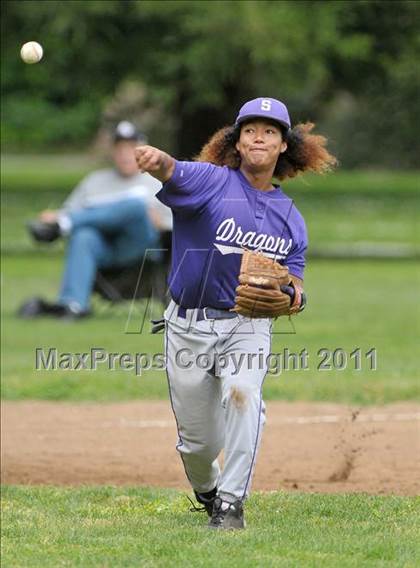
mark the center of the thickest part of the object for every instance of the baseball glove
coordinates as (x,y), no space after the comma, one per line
(265,288)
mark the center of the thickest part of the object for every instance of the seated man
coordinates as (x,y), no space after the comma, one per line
(111,218)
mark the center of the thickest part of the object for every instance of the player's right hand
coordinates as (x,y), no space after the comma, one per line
(154,161)
(48,216)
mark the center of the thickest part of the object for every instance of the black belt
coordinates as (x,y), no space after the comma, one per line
(208,314)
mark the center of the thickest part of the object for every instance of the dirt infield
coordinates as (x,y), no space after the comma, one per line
(306,446)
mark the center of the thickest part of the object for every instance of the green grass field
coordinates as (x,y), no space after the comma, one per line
(141,527)
(352,304)
(344,220)
(347,208)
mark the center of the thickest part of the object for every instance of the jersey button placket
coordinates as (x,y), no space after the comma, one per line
(259,208)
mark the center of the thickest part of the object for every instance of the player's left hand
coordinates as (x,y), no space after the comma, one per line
(265,289)
(255,302)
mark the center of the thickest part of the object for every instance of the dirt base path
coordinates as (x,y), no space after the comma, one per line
(306,446)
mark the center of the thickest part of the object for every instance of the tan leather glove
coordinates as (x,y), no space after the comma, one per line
(258,294)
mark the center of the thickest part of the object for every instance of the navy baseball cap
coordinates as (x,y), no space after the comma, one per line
(264,107)
(126,130)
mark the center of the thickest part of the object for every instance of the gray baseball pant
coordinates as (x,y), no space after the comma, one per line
(216,370)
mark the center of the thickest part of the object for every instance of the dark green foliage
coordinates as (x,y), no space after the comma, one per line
(350,66)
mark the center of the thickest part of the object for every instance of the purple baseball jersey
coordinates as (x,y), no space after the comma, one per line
(216,213)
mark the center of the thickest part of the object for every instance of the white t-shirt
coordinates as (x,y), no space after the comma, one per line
(108,186)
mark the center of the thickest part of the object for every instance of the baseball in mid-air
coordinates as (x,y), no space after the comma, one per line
(31,52)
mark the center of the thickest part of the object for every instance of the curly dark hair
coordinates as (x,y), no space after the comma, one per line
(306,152)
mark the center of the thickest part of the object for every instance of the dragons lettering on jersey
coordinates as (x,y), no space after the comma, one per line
(229,232)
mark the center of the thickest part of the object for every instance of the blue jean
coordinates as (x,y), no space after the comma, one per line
(104,236)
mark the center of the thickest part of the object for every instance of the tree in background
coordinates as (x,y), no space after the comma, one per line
(350,66)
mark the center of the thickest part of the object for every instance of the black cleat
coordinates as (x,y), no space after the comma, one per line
(207,500)
(44,232)
(37,307)
(226,515)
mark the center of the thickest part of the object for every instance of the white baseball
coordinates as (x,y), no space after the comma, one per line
(31,52)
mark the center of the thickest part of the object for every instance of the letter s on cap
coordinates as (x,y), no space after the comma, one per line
(266,104)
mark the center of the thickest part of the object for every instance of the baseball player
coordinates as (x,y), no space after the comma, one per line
(232,225)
